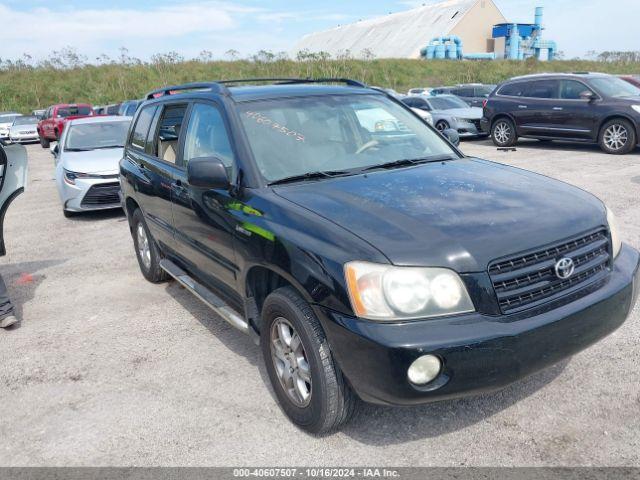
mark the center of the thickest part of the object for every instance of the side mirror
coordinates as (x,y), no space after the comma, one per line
(54,149)
(207,172)
(587,95)
(452,135)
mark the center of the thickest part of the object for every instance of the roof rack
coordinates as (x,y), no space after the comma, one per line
(220,86)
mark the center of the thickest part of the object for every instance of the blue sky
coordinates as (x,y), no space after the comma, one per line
(188,26)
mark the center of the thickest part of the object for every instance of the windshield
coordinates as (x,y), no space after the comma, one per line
(92,136)
(614,87)
(73,111)
(297,136)
(8,118)
(447,103)
(27,120)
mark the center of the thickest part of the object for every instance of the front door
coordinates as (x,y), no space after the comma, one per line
(204,226)
(576,117)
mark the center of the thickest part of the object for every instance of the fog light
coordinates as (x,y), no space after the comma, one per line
(424,369)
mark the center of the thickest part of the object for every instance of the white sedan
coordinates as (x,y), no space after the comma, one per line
(87,161)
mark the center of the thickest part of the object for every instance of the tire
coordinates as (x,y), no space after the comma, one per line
(442,125)
(149,261)
(503,133)
(618,137)
(331,403)
(44,143)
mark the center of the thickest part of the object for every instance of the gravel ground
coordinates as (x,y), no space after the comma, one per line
(108,369)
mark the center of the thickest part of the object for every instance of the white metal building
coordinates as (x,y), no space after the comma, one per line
(404,34)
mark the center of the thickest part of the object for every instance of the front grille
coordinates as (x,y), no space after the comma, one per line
(102,194)
(527,280)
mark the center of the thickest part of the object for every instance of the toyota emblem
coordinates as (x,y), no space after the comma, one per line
(565,268)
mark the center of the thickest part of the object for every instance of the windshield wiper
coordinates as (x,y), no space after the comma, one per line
(311,176)
(407,162)
(108,146)
(77,149)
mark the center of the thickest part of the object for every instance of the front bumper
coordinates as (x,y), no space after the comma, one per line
(23,138)
(75,198)
(480,353)
(469,129)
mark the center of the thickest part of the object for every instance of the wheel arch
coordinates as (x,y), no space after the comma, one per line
(259,281)
(622,116)
(501,116)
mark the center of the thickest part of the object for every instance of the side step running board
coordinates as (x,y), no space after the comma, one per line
(207,296)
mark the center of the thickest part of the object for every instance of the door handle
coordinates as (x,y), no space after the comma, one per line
(558,109)
(142,166)
(522,106)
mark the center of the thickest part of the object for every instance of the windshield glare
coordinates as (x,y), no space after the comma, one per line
(295,136)
(25,121)
(615,87)
(447,103)
(91,136)
(8,118)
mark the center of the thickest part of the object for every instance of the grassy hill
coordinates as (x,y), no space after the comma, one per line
(26,88)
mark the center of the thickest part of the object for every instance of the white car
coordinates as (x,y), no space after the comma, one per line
(24,129)
(6,120)
(87,163)
(419,91)
(426,116)
(13,179)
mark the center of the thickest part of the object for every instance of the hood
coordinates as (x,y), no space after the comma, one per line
(460,214)
(472,113)
(28,126)
(104,161)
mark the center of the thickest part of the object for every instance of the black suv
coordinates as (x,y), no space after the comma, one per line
(473,93)
(580,107)
(365,253)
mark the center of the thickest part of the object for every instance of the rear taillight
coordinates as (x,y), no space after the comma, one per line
(484,102)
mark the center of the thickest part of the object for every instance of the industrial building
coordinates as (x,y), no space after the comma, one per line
(451,29)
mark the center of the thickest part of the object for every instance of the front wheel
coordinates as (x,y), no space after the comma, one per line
(441,126)
(147,251)
(308,384)
(503,133)
(617,137)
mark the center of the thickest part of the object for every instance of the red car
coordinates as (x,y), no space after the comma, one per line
(51,126)
(632,79)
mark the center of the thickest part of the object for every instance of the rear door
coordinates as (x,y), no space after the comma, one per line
(204,225)
(541,97)
(512,99)
(153,149)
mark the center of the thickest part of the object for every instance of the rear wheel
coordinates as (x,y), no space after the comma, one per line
(309,385)
(617,137)
(503,133)
(147,251)
(44,143)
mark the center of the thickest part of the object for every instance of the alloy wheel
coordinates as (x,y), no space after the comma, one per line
(616,137)
(144,249)
(290,361)
(502,132)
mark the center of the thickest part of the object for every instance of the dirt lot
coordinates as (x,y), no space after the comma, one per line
(108,369)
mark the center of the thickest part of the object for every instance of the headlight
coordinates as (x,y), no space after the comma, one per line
(636,108)
(385,292)
(616,242)
(70,177)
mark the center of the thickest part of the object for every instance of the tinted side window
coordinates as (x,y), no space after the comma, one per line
(207,136)
(513,89)
(542,89)
(463,92)
(139,135)
(166,144)
(571,89)
(410,102)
